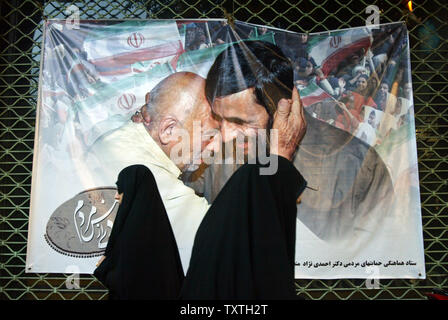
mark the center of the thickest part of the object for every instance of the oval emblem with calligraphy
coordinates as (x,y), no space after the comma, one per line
(81,226)
(335,41)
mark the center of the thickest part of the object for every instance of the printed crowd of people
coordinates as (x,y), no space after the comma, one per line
(369,91)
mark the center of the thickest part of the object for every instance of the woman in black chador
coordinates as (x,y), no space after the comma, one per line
(141,258)
(245,245)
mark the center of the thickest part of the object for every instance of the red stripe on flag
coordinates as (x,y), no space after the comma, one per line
(307,101)
(333,60)
(176,58)
(156,52)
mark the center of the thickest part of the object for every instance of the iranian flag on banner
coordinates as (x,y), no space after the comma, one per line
(328,51)
(115,49)
(312,94)
(113,104)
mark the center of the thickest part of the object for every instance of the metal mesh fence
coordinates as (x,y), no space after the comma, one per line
(19,68)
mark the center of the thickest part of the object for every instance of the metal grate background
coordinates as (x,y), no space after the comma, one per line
(20,43)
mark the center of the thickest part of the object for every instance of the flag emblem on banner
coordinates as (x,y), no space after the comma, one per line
(136,39)
(126,101)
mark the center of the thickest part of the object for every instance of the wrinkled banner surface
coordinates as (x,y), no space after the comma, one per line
(360,215)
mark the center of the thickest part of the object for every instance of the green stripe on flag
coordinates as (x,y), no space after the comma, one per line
(315,40)
(268,37)
(311,88)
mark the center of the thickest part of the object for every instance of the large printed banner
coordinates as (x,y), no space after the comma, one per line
(359,216)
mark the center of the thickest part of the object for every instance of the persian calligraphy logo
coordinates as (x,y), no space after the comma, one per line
(335,41)
(136,39)
(126,101)
(81,226)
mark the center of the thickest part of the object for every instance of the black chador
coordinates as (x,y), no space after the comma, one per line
(245,245)
(142,259)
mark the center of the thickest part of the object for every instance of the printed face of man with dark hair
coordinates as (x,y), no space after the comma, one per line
(251,92)
(240,116)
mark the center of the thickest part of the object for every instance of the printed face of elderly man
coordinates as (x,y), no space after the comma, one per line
(174,107)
